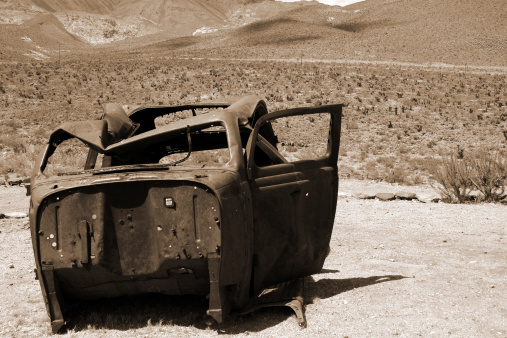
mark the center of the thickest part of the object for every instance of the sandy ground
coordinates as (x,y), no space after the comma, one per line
(395,269)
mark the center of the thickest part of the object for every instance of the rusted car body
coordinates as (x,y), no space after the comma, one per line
(136,225)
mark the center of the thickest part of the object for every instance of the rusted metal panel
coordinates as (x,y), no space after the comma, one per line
(127,222)
(294,206)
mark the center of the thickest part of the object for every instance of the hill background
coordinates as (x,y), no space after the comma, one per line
(421,31)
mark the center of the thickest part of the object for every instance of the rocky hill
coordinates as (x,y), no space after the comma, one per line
(422,31)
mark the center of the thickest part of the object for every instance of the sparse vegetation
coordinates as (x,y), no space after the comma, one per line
(458,176)
(452,175)
(406,114)
(489,175)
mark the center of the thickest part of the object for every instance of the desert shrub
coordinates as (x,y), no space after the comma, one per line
(362,156)
(387,161)
(403,149)
(19,163)
(352,125)
(212,157)
(452,177)
(69,156)
(346,171)
(370,169)
(291,149)
(396,175)
(488,174)
(415,180)
(431,144)
(457,176)
(12,142)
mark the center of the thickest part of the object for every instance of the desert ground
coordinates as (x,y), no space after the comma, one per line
(399,268)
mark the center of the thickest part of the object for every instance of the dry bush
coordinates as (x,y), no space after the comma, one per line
(483,171)
(396,175)
(20,163)
(445,103)
(352,125)
(452,176)
(489,175)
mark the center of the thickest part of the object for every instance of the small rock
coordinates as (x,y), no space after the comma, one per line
(11,266)
(435,200)
(2,216)
(424,199)
(15,179)
(385,196)
(15,215)
(391,260)
(406,196)
(362,196)
(475,196)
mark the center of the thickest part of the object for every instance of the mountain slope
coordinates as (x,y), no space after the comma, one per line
(178,17)
(39,38)
(90,6)
(452,31)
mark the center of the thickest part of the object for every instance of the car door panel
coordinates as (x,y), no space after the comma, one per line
(293,206)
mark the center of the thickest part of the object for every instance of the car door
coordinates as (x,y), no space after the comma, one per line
(293,197)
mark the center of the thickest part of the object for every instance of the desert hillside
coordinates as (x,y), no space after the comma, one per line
(105,21)
(93,6)
(453,32)
(421,31)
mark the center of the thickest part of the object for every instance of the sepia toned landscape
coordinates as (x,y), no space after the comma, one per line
(424,89)
(397,119)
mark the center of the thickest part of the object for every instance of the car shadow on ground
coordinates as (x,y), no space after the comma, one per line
(135,312)
(329,287)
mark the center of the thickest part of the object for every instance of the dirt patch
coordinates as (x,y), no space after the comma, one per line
(395,268)
(13,199)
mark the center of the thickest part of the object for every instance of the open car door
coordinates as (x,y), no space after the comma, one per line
(294,187)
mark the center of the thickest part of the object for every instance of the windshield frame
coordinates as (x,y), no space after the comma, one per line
(228,120)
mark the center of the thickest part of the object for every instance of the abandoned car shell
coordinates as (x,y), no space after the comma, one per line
(138,224)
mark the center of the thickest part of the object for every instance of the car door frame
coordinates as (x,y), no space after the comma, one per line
(283,189)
